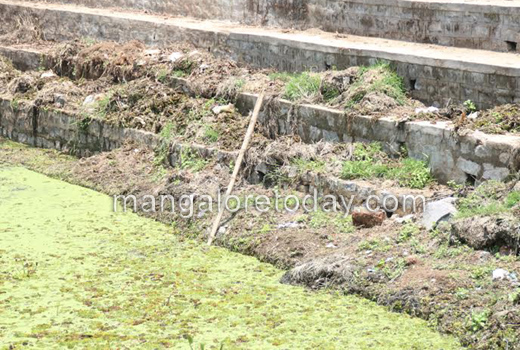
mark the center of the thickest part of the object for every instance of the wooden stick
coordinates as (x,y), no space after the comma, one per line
(240,158)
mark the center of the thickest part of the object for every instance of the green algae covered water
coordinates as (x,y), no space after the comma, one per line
(73,274)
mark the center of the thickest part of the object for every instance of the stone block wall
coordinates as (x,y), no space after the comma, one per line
(17,122)
(484,25)
(59,130)
(452,157)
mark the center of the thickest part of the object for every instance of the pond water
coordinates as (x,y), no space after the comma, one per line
(73,273)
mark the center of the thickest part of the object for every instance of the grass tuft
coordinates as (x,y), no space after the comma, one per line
(302,86)
(369,161)
(378,78)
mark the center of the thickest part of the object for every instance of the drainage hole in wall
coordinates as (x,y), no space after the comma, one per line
(412,84)
(470,179)
(511,46)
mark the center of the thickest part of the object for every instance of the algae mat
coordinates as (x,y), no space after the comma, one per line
(75,274)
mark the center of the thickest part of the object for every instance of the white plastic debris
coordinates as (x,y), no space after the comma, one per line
(152,52)
(331,245)
(174,56)
(430,109)
(223,109)
(47,75)
(403,219)
(90,99)
(500,274)
(473,116)
(291,224)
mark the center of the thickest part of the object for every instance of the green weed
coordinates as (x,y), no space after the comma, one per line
(478,320)
(282,76)
(211,134)
(329,92)
(462,293)
(338,221)
(192,160)
(407,231)
(166,135)
(15,104)
(480,272)
(411,173)
(485,201)
(512,199)
(177,73)
(304,85)
(276,177)
(375,245)
(392,269)
(162,75)
(104,105)
(380,78)
(369,161)
(445,251)
(309,165)
(470,106)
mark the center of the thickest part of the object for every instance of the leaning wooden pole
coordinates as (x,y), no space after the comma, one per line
(238,164)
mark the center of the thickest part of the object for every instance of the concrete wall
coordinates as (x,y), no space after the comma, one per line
(432,80)
(481,25)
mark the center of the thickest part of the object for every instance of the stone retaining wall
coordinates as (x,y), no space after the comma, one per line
(477,25)
(54,129)
(452,157)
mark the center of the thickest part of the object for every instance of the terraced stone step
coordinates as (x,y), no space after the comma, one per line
(479,24)
(473,156)
(434,74)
